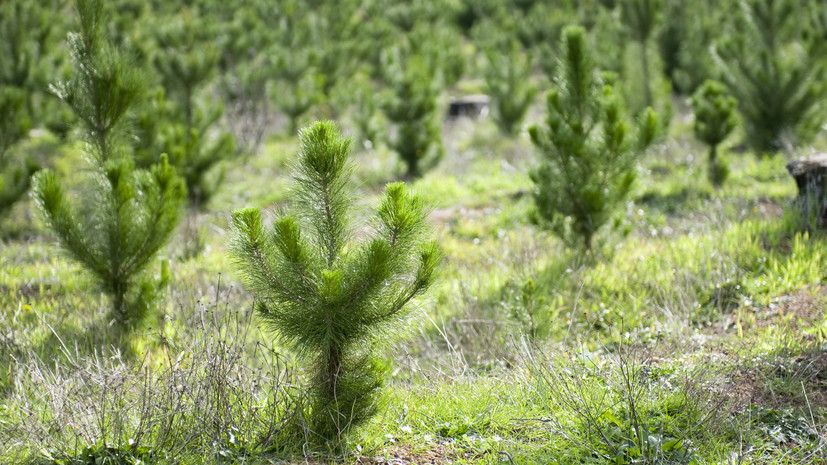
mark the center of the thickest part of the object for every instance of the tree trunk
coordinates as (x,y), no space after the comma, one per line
(647,87)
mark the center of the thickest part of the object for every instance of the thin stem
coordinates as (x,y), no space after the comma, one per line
(647,87)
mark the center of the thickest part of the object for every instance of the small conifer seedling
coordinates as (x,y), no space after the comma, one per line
(411,105)
(176,121)
(640,17)
(293,62)
(715,118)
(588,152)
(776,67)
(329,298)
(127,215)
(25,33)
(14,172)
(509,83)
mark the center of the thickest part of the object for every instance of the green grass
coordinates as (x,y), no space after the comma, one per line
(709,312)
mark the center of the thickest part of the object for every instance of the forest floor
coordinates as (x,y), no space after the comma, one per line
(699,337)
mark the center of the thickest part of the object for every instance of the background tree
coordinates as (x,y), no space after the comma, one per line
(689,29)
(609,39)
(330,299)
(243,73)
(640,18)
(126,214)
(715,118)
(410,104)
(27,31)
(776,67)
(176,121)
(508,81)
(14,172)
(335,35)
(441,47)
(29,34)
(538,28)
(365,112)
(588,152)
(297,86)
(14,119)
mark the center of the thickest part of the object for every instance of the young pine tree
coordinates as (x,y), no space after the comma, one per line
(508,81)
(298,86)
(176,121)
(330,298)
(26,33)
(689,28)
(14,172)
(29,55)
(410,105)
(776,67)
(126,214)
(588,152)
(640,18)
(715,118)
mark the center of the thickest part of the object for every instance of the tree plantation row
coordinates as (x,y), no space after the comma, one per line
(213,73)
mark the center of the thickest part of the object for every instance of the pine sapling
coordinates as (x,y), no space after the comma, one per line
(776,67)
(25,33)
(127,215)
(715,118)
(332,299)
(588,152)
(297,86)
(411,105)
(689,28)
(176,122)
(640,17)
(14,172)
(508,81)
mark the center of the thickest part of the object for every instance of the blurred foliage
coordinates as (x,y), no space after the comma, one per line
(30,58)
(294,63)
(776,66)
(689,29)
(715,119)
(411,104)
(508,82)
(193,149)
(177,120)
(640,18)
(27,34)
(14,121)
(304,55)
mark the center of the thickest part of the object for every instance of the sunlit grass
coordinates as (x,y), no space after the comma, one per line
(714,275)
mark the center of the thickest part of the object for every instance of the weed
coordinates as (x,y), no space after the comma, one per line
(199,397)
(620,406)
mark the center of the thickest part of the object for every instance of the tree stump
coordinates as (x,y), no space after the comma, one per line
(810,174)
(471,106)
